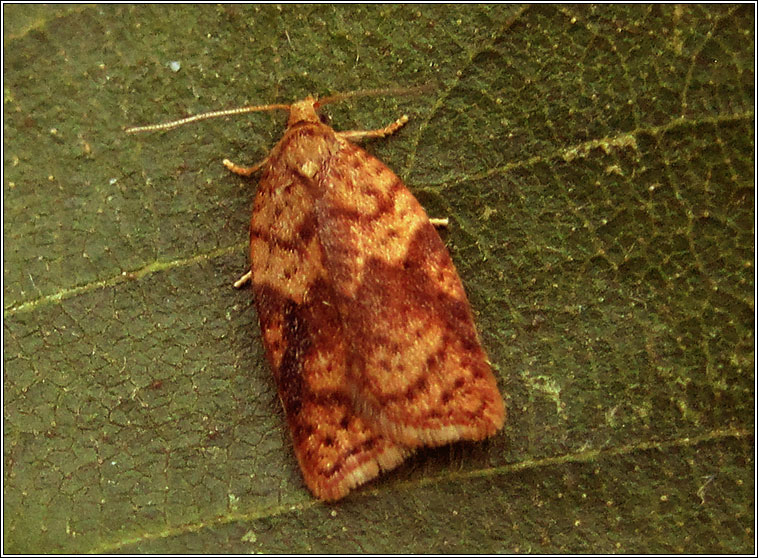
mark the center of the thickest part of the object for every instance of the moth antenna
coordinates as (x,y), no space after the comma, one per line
(388,91)
(204,116)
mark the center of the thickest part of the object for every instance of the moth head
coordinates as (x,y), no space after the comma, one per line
(303,111)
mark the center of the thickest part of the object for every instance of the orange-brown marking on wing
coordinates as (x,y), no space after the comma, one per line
(416,366)
(303,334)
(365,321)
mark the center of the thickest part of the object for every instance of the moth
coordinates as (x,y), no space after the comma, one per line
(364,319)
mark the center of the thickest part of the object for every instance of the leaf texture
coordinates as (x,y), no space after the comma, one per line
(596,163)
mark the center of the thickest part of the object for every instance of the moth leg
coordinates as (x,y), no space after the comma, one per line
(439,221)
(242,280)
(242,171)
(380,133)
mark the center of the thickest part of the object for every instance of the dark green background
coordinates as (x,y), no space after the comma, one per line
(597,167)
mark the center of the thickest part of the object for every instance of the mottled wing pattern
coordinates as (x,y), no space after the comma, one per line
(304,335)
(416,368)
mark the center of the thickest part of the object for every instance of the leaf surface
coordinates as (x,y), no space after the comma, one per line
(597,167)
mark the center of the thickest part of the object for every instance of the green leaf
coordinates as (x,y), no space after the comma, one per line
(597,165)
